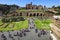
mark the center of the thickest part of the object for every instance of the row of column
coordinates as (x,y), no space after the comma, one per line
(34,14)
(29,14)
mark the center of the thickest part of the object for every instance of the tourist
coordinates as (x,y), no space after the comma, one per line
(21,35)
(13,38)
(36,30)
(30,27)
(4,37)
(17,34)
(43,32)
(10,36)
(26,30)
(51,38)
(18,38)
(39,34)
(24,34)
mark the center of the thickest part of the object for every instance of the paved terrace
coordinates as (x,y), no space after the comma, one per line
(32,35)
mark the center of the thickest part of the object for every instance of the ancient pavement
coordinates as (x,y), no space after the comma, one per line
(29,35)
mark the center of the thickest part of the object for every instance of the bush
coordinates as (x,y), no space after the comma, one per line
(12,19)
(22,19)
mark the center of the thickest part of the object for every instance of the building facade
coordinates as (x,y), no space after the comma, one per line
(32,14)
(30,6)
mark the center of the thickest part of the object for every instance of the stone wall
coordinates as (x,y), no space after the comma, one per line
(30,14)
(56,28)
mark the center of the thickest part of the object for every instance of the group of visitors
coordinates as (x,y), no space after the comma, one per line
(20,34)
(4,37)
(42,32)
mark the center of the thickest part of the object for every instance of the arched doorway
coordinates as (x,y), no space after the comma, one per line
(16,14)
(37,14)
(27,14)
(41,14)
(34,14)
(20,14)
(13,14)
(30,14)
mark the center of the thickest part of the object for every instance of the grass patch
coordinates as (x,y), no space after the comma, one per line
(1,22)
(20,25)
(29,10)
(42,24)
(15,26)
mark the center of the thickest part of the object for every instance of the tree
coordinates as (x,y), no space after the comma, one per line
(58,12)
(58,7)
(6,8)
(53,6)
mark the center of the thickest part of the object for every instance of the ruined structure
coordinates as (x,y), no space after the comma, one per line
(32,10)
(55,28)
(30,6)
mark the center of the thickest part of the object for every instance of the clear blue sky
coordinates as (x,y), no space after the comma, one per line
(22,3)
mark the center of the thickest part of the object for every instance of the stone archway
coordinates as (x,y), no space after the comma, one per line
(13,14)
(27,14)
(34,14)
(16,14)
(41,14)
(30,14)
(20,14)
(37,14)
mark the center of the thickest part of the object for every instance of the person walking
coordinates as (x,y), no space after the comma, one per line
(36,30)
(39,34)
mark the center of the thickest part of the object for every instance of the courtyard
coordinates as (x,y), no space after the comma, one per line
(29,20)
(26,29)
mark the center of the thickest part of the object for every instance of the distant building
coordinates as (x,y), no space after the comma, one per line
(14,7)
(32,10)
(30,6)
(40,7)
(34,7)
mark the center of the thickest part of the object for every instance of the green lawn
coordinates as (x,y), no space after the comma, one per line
(21,25)
(1,22)
(42,24)
(29,10)
(17,26)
